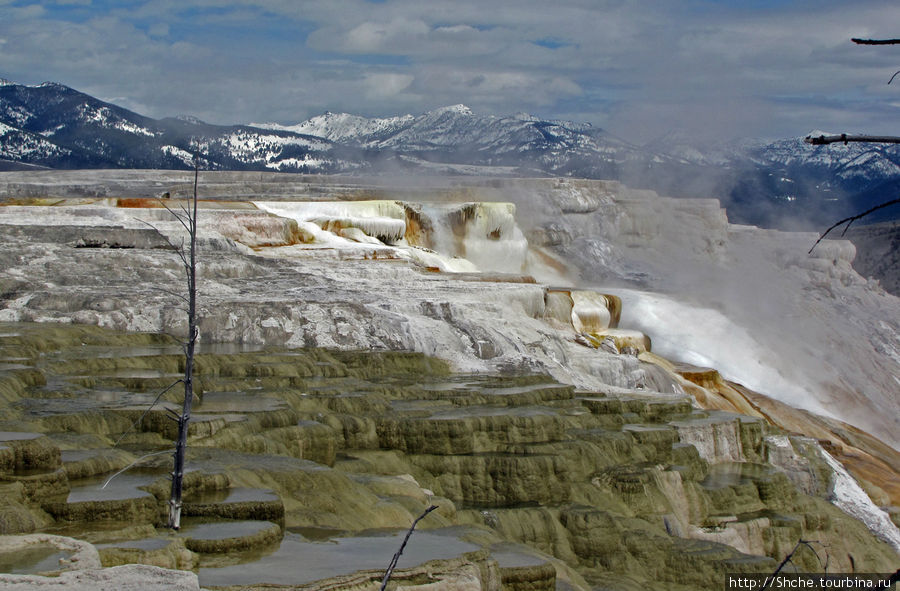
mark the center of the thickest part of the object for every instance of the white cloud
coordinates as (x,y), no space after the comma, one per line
(622,64)
(386,85)
(397,36)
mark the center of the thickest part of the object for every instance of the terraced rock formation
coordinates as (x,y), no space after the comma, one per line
(301,459)
(806,330)
(517,374)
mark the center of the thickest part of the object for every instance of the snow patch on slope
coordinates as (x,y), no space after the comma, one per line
(105,117)
(179,153)
(16,144)
(341,127)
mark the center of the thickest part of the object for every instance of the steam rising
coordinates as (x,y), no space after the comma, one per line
(804,329)
(705,337)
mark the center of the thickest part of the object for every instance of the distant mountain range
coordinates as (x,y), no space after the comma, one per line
(782,184)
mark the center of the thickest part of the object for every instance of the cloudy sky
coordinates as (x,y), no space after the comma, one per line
(717,69)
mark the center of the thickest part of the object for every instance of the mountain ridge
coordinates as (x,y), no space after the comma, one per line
(763,183)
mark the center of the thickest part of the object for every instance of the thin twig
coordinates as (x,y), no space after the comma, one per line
(176,215)
(155,229)
(852,219)
(132,464)
(894,76)
(171,293)
(149,408)
(179,250)
(787,559)
(393,564)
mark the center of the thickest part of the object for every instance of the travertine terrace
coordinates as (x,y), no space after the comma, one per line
(590,381)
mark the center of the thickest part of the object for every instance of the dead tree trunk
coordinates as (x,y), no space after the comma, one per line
(189,221)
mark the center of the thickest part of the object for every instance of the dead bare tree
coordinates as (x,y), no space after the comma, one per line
(188,219)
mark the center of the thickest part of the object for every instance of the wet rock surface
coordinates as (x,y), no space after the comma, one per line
(549,434)
(536,481)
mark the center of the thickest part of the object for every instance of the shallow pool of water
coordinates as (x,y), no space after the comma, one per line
(299,560)
(123,486)
(149,544)
(39,558)
(232,495)
(222,530)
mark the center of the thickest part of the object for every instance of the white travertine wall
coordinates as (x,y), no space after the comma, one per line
(807,330)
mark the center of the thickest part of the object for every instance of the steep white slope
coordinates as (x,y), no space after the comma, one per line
(804,329)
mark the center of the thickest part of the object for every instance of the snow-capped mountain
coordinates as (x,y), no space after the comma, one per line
(342,127)
(788,183)
(829,181)
(851,161)
(58,127)
(20,145)
(772,184)
(456,134)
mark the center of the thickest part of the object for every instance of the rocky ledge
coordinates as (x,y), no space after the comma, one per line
(301,458)
(536,411)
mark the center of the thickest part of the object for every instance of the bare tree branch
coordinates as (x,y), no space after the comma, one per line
(177,215)
(187,217)
(173,293)
(132,464)
(788,560)
(844,138)
(161,235)
(144,414)
(179,250)
(852,219)
(894,76)
(876,41)
(393,564)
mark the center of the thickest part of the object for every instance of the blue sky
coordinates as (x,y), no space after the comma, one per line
(712,69)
